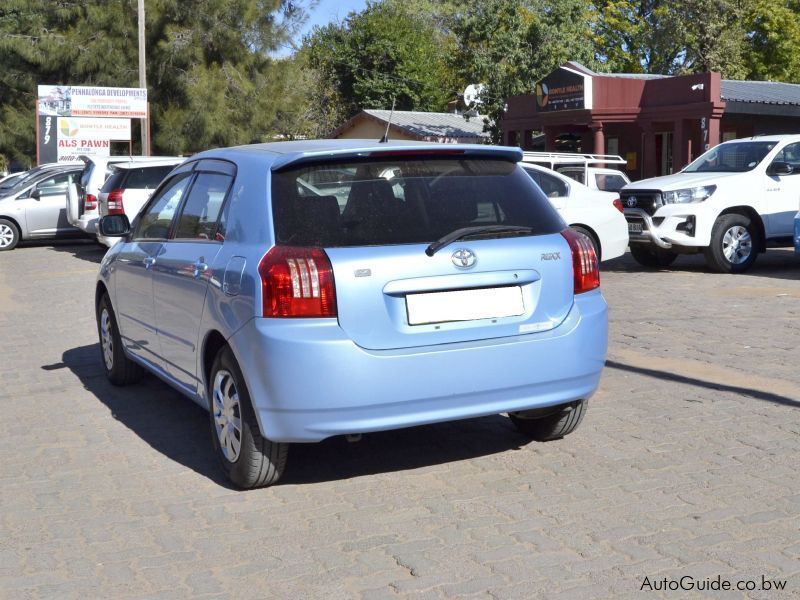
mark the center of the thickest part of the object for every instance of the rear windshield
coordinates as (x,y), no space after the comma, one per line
(403,201)
(114,180)
(146,178)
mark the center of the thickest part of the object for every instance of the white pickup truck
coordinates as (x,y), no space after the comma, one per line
(731,203)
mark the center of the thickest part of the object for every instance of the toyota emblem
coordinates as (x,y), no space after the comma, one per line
(463,258)
(631,202)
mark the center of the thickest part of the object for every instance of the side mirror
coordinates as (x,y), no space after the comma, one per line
(36,194)
(780,168)
(114,226)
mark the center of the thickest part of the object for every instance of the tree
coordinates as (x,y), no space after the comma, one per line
(508,45)
(211,80)
(773,36)
(384,54)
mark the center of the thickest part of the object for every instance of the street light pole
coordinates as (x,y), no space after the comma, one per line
(143,81)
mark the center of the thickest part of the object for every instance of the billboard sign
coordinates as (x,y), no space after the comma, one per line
(561,90)
(85,101)
(64,139)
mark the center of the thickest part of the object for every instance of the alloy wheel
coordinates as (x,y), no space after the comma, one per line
(6,235)
(227,415)
(737,245)
(107,339)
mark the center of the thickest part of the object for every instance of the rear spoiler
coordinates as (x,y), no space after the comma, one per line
(506,153)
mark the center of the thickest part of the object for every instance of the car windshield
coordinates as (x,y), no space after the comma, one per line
(402,201)
(731,157)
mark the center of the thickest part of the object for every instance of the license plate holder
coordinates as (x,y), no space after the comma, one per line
(464,305)
(635,227)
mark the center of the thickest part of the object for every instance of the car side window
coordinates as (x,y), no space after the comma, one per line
(156,218)
(791,156)
(55,185)
(198,218)
(553,187)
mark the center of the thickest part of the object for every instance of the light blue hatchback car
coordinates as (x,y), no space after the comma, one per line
(302,290)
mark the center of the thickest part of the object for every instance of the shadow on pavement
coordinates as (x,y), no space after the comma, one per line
(179,429)
(88,250)
(752,393)
(775,263)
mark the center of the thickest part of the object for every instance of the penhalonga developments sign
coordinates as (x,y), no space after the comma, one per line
(83,101)
(82,120)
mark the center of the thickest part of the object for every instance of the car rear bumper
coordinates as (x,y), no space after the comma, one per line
(88,223)
(308,381)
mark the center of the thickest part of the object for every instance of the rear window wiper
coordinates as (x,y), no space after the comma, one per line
(464,232)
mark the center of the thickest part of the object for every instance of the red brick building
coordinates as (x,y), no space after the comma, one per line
(658,123)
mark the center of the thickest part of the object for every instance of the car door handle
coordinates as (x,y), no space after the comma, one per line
(199,267)
(149,262)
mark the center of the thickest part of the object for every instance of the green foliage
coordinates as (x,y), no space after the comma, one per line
(773,38)
(388,52)
(508,45)
(211,81)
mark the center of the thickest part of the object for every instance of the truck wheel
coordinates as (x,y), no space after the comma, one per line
(248,459)
(652,258)
(545,424)
(734,245)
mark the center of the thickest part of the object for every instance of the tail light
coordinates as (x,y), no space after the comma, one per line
(618,204)
(115,205)
(90,203)
(585,271)
(297,282)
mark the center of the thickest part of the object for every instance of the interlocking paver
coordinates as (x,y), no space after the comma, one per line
(684,465)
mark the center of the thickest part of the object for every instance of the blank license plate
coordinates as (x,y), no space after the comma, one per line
(464,305)
(634,228)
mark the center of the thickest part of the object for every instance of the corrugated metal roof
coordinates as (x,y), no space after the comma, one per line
(435,125)
(761,92)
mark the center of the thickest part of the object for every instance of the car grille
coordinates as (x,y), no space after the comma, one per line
(648,201)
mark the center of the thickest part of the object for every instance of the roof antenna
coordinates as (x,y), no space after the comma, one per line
(385,137)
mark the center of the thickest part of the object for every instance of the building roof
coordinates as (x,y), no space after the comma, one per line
(762,92)
(431,126)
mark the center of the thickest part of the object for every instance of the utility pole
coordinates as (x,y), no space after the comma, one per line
(143,81)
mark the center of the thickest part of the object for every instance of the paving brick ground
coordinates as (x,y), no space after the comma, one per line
(686,465)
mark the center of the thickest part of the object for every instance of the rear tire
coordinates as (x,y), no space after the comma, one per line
(734,244)
(652,258)
(119,369)
(554,425)
(9,235)
(248,459)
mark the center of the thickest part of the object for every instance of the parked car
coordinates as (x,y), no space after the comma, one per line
(36,210)
(84,213)
(596,214)
(731,203)
(128,187)
(452,290)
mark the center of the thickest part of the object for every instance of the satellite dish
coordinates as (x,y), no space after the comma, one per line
(472,94)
